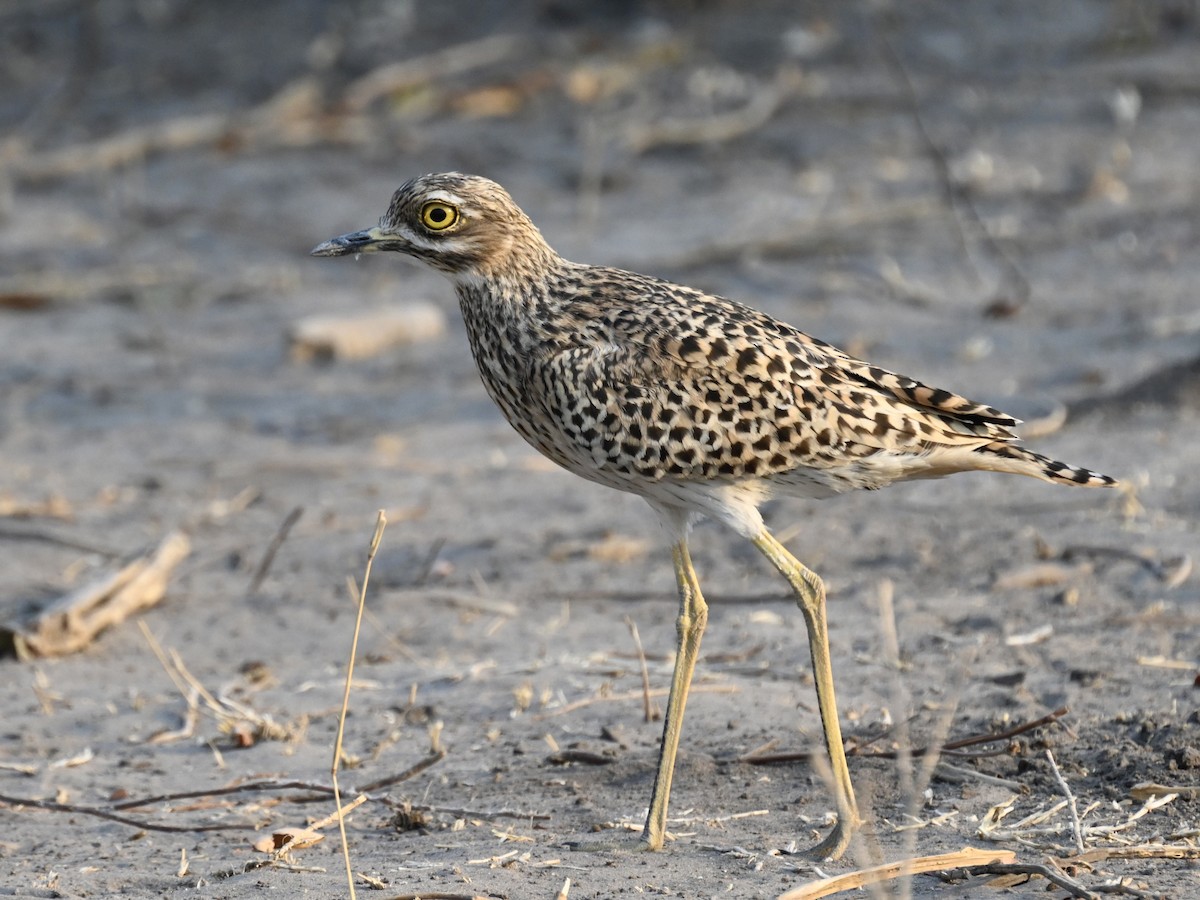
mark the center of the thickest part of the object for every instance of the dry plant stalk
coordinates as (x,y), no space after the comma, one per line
(71,622)
(380,525)
(959,859)
(243,724)
(650,710)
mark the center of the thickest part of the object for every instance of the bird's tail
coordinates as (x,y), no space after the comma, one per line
(1005,457)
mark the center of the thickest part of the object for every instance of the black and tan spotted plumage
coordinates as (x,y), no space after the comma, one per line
(699,404)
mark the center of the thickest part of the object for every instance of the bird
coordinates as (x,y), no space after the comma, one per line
(701,405)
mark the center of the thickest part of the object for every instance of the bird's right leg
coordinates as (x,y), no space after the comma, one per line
(693,615)
(810,596)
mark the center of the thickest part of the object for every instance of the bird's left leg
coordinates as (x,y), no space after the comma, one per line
(810,596)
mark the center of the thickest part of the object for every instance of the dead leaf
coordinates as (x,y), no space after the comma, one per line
(288,839)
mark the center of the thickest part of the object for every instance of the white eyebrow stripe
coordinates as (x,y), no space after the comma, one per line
(443,197)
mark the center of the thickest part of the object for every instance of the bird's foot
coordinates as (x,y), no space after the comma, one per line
(834,844)
(612,842)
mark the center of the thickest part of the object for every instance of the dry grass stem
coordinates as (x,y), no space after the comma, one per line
(942,862)
(242,723)
(380,525)
(1163,662)
(1072,806)
(650,710)
(960,775)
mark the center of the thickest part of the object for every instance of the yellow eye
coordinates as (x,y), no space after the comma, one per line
(438,216)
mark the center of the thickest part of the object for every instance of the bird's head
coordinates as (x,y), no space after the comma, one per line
(465,226)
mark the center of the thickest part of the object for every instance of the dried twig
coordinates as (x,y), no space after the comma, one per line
(959,775)
(281,534)
(964,858)
(950,748)
(317,791)
(1076,828)
(10,531)
(1172,571)
(71,623)
(650,712)
(1050,873)
(1139,851)
(232,717)
(101,813)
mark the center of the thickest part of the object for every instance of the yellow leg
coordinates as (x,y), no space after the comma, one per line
(810,596)
(693,615)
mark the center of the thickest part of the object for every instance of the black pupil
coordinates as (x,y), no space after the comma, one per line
(438,215)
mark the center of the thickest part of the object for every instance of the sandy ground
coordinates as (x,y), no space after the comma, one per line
(146,386)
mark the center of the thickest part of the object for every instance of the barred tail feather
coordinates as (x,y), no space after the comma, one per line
(1018,460)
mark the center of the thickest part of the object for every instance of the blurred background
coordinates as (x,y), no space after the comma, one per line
(1002,198)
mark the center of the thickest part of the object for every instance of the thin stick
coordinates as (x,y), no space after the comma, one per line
(339,814)
(1070,885)
(1076,828)
(649,710)
(113,817)
(276,542)
(1010,733)
(1140,851)
(380,525)
(316,792)
(966,857)
(436,755)
(951,748)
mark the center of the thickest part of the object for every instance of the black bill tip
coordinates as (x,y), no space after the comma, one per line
(346,244)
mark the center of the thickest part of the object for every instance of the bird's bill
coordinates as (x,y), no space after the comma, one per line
(365,241)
